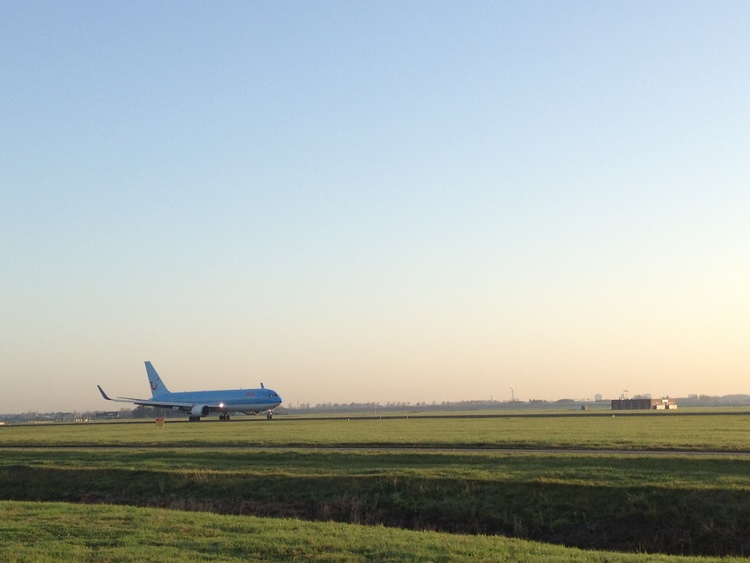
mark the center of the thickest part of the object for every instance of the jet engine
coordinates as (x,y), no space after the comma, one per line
(199,410)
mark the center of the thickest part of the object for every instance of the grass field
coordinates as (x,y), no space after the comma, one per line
(668,431)
(61,532)
(677,503)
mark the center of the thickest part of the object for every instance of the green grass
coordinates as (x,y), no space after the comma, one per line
(601,470)
(673,503)
(656,431)
(51,532)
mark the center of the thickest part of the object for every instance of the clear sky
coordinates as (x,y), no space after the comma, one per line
(374,201)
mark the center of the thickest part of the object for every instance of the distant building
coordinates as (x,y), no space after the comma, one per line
(104,415)
(643,404)
(598,397)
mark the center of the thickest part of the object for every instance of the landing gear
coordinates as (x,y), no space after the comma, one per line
(223,417)
(192,418)
(269,416)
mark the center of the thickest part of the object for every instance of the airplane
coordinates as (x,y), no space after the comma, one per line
(202,403)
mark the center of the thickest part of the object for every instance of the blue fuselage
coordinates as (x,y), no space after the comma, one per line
(229,400)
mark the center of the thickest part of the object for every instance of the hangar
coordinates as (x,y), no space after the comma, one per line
(643,404)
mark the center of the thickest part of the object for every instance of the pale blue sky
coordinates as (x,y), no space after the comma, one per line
(382,201)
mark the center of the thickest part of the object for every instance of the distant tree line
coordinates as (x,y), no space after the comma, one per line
(738,400)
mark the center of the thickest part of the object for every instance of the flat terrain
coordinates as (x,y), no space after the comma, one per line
(477,478)
(667,431)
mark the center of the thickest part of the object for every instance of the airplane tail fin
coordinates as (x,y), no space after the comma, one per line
(154,381)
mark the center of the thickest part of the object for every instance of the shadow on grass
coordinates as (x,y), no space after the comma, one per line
(621,518)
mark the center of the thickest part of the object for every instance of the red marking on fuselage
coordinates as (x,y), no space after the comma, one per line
(250,394)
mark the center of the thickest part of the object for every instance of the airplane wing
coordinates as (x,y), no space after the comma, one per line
(149,402)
